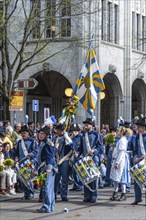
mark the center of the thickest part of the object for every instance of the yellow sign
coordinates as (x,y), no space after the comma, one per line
(16,101)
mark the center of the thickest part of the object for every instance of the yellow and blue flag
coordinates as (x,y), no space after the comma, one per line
(90,82)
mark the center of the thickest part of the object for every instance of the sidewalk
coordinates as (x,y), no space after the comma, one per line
(10,197)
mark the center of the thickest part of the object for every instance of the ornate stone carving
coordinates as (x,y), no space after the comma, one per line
(140,74)
(112,68)
(46,66)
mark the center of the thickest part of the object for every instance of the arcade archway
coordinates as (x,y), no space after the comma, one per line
(111,105)
(138,98)
(49,92)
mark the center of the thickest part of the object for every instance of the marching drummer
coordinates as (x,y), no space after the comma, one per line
(26,149)
(42,139)
(76,138)
(48,156)
(65,147)
(92,144)
(139,153)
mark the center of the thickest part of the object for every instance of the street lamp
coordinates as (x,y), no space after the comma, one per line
(102,95)
(69,92)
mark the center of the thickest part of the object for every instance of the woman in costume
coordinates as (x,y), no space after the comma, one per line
(120,165)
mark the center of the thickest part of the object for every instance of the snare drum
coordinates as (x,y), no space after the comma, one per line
(138,172)
(25,172)
(86,170)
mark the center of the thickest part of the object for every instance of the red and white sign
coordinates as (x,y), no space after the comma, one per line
(46,114)
(27,83)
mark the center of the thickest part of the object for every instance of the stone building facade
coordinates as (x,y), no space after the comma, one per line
(119,29)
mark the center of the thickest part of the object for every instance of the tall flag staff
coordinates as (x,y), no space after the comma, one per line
(87,86)
(90,82)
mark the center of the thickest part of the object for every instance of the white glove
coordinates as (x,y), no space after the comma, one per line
(67,138)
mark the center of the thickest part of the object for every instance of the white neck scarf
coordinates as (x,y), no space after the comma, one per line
(141,144)
(24,148)
(87,142)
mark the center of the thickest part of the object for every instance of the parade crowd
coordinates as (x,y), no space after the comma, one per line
(60,153)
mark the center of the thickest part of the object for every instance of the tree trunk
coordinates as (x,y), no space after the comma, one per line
(6,112)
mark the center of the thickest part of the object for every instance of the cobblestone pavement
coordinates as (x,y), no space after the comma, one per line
(13,208)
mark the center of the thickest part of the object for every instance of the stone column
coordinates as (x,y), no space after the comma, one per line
(127,90)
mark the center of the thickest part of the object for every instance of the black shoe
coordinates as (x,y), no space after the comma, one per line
(136,202)
(29,197)
(122,197)
(72,189)
(24,197)
(65,199)
(86,200)
(114,196)
(93,201)
(42,211)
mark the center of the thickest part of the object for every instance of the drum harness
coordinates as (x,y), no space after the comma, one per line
(89,148)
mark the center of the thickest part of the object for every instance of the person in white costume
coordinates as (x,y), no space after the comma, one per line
(120,165)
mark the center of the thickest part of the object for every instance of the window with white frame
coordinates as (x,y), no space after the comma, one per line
(1,17)
(66,18)
(109,21)
(36,14)
(115,23)
(138,29)
(103,19)
(50,22)
(133,30)
(143,33)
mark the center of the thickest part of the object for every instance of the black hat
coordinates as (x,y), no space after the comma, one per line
(60,127)
(45,129)
(125,124)
(141,122)
(114,128)
(74,127)
(89,121)
(24,128)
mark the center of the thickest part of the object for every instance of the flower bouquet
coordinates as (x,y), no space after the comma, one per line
(71,106)
(8,162)
(69,112)
(39,181)
(110,139)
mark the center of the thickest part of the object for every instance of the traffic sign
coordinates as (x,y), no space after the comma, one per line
(35,105)
(16,101)
(27,83)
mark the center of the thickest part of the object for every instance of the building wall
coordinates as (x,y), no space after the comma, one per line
(120,58)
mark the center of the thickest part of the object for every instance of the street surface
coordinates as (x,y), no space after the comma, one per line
(13,208)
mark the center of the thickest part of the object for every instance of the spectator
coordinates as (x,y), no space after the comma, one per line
(2,173)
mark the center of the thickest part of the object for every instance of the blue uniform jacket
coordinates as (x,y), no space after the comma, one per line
(136,146)
(48,154)
(64,149)
(96,142)
(31,147)
(77,142)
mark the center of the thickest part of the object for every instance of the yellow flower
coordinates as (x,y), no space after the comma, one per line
(71,110)
(76,97)
(72,103)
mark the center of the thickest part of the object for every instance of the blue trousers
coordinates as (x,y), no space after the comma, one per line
(63,175)
(49,196)
(88,195)
(77,182)
(138,193)
(28,192)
